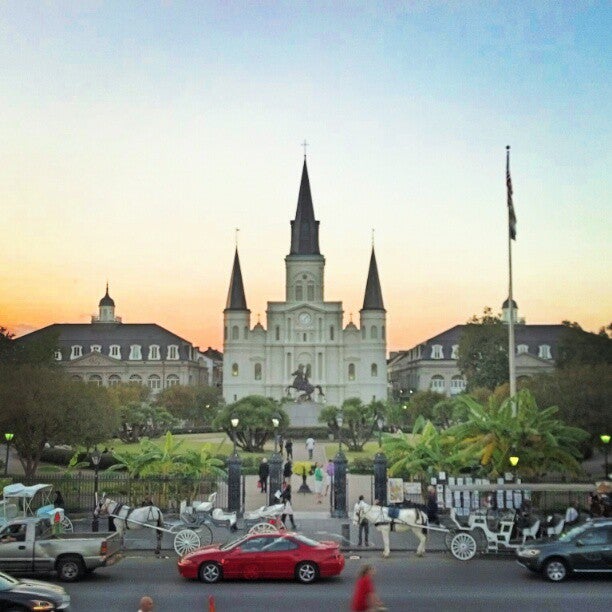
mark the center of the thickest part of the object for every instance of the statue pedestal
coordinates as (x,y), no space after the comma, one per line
(303,414)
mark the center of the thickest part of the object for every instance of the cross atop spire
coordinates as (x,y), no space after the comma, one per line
(304,228)
(304,144)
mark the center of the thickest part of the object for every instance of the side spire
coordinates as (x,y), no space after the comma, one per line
(236,299)
(373,299)
(304,228)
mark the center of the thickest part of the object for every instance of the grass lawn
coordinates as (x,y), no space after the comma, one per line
(219,443)
(369,450)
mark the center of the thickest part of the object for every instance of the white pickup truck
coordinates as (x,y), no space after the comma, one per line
(29,546)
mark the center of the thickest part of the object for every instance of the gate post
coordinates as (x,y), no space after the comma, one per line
(276,477)
(380,478)
(234,471)
(339,485)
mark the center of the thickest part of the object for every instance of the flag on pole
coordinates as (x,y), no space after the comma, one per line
(511,215)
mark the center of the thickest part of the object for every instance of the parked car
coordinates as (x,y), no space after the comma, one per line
(29,546)
(265,555)
(31,595)
(585,548)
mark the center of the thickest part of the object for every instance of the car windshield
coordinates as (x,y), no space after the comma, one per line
(568,536)
(233,542)
(304,540)
(7,582)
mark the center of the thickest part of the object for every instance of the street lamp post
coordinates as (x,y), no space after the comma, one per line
(275,423)
(95,459)
(234,473)
(339,482)
(380,421)
(339,422)
(605,439)
(234,421)
(514,459)
(8,437)
(276,466)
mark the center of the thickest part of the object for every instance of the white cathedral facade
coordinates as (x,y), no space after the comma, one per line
(305,334)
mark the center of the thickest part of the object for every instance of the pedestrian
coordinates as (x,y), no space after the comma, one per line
(364,595)
(287,471)
(58,502)
(289,448)
(280,444)
(432,506)
(364,525)
(329,472)
(318,475)
(264,472)
(288,509)
(310,444)
(146,604)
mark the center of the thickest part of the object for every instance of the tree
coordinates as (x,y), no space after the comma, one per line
(422,404)
(36,350)
(359,420)
(41,405)
(255,414)
(194,404)
(577,347)
(483,351)
(491,434)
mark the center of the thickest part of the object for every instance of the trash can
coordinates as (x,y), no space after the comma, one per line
(346,535)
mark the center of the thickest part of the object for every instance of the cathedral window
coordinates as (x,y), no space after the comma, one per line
(437,352)
(299,292)
(351,371)
(95,348)
(135,378)
(544,352)
(172,380)
(258,371)
(154,351)
(277,333)
(94,379)
(225,333)
(235,332)
(114,380)
(310,289)
(308,371)
(246,332)
(384,332)
(374,370)
(173,351)
(76,351)
(374,332)
(289,368)
(57,355)
(154,382)
(437,383)
(305,337)
(135,352)
(115,351)
(234,369)
(331,332)
(455,351)
(363,332)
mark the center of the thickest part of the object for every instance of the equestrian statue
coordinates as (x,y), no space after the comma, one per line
(302,385)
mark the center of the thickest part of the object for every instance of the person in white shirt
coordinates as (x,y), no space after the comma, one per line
(310,444)
(571,515)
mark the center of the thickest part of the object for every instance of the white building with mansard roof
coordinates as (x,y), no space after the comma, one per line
(304,333)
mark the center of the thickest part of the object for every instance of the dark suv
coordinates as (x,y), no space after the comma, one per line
(585,548)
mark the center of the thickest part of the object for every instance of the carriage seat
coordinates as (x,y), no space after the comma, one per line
(556,528)
(532,531)
(45,510)
(219,515)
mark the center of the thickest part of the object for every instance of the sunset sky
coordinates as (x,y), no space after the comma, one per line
(136,136)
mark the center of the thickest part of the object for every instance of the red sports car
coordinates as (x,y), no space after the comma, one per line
(264,555)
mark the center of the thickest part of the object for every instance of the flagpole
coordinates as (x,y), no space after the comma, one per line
(511,237)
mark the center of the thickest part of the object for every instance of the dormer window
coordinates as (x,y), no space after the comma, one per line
(455,351)
(76,351)
(95,348)
(173,351)
(544,352)
(154,352)
(115,351)
(57,355)
(437,352)
(135,352)
(522,348)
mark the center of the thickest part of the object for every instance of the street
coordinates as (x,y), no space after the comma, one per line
(404,582)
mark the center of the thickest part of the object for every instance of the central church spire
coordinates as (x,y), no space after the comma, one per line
(304,228)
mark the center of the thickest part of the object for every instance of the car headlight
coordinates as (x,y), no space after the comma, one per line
(529,552)
(41,605)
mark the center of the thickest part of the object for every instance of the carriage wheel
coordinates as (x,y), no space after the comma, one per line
(263,528)
(463,546)
(186,541)
(67,524)
(205,534)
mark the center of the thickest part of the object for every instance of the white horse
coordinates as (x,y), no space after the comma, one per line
(402,519)
(126,517)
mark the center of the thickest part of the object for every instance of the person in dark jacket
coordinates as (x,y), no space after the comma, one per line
(288,510)
(58,502)
(432,505)
(264,472)
(288,470)
(289,448)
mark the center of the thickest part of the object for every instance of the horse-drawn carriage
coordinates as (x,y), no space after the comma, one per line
(20,500)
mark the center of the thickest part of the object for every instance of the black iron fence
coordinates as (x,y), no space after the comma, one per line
(166,492)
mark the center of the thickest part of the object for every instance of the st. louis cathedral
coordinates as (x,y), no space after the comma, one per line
(304,352)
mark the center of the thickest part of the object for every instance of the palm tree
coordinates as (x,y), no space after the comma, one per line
(491,434)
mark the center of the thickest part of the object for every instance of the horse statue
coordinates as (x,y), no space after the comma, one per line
(127,517)
(302,386)
(402,519)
